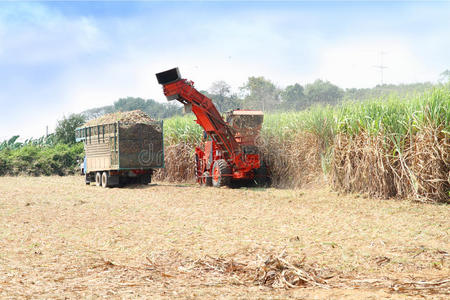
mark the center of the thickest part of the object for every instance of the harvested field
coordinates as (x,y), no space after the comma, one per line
(60,238)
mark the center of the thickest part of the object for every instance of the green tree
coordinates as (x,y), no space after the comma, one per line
(293,97)
(445,76)
(260,94)
(385,90)
(97,112)
(153,108)
(224,100)
(11,143)
(65,130)
(323,92)
(130,103)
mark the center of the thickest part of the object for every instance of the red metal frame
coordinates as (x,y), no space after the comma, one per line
(223,143)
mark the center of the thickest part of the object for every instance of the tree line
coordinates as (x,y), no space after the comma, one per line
(262,94)
(53,154)
(153,108)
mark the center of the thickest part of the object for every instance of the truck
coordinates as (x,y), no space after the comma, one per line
(229,153)
(119,153)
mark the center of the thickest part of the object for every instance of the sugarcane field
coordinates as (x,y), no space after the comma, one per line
(224,150)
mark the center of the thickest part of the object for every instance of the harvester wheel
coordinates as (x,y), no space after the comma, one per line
(206,179)
(98,179)
(221,173)
(105,180)
(262,178)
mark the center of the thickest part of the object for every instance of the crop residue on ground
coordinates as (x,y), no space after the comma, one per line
(61,237)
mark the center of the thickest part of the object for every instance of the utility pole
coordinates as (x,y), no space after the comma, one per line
(381,67)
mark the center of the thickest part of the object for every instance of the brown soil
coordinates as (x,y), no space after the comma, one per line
(60,238)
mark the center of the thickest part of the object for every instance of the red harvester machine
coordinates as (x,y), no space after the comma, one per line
(229,153)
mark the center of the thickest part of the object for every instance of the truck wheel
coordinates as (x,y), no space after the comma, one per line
(206,179)
(221,173)
(145,179)
(87,179)
(105,179)
(98,179)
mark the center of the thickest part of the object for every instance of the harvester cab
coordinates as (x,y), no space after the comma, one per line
(230,153)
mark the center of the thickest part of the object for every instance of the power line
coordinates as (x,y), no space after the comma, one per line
(381,67)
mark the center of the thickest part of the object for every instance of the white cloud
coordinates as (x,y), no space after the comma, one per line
(38,46)
(34,34)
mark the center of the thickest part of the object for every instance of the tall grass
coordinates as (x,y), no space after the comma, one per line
(393,116)
(182,129)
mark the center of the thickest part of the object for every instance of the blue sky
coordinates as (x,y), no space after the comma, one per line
(57,58)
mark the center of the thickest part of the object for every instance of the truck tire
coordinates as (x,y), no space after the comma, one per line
(145,179)
(87,179)
(206,179)
(105,180)
(221,173)
(98,179)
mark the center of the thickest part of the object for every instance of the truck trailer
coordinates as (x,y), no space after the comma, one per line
(122,152)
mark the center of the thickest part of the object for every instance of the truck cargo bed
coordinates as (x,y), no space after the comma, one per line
(122,146)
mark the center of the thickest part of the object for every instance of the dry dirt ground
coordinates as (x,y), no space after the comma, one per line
(62,239)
